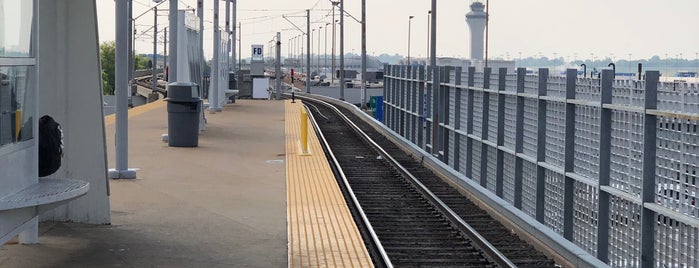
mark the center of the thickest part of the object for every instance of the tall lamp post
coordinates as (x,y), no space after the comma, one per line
(332,75)
(325,64)
(429,15)
(318,55)
(409,20)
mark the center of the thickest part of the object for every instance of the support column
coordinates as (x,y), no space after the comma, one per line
(422,107)
(172,65)
(228,34)
(648,218)
(499,173)
(233,36)
(30,235)
(469,124)
(278,68)
(457,118)
(444,113)
(484,127)
(308,53)
(342,49)
(154,76)
(435,81)
(202,60)
(519,138)
(122,94)
(604,165)
(569,154)
(213,93)
(541,146)
(363,105)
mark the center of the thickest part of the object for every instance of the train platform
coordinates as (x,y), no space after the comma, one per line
(245,197)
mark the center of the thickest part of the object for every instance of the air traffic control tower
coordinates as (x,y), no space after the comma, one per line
(476,23)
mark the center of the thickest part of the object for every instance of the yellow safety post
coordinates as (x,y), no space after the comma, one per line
(18,123)
(304,131)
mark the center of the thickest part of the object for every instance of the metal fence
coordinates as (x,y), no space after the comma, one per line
(610,165)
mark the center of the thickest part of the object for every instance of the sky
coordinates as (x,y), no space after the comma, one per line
(574,29)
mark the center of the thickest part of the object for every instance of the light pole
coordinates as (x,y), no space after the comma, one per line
(325,64)
(429,15)
(332,75)
(410,19)
(155,49)
(332,80)
(318,55)
(310,53)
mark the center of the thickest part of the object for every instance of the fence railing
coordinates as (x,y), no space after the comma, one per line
(610,165)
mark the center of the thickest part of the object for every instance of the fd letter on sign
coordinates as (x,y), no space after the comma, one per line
(257,53)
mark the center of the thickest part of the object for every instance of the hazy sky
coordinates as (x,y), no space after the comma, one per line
(642,28)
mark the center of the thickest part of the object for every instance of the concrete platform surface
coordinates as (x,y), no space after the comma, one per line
(222,204)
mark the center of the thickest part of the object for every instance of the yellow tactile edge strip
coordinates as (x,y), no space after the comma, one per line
(109,119)
(321,230)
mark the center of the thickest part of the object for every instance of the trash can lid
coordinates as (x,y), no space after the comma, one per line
(182,91)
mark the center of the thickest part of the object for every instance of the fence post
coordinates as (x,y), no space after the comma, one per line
(569,155)
(436,99)
(499,173)
(519,137)
(457,118)
(484,127)
(541,145)
(604,166)
(444,112)
(469,124)
(648,219)
(422,108)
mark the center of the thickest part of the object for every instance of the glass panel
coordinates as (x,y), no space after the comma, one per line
(17,103)
(15,28)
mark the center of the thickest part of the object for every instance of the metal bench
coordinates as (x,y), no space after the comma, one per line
(43,196)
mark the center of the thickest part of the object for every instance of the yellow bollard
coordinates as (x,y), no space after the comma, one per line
(18,123)
(304,131)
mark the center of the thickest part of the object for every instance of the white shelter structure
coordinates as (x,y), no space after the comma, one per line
(49,65)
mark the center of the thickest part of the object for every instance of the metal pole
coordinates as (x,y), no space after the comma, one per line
(155,49)
(332,75)
(202,60)
(240,42)
(363,105)
(410,19)
(235,18)
(165,62)
(213,94)
(342,50)
(435,80)
(278,69)
(325,63)
(228,33)
(318,55)
(121,80)
(172,65)
(129,45)
(429,17)
(308,49)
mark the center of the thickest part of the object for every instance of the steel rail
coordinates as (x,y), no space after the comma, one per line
(385,260)
(494,254)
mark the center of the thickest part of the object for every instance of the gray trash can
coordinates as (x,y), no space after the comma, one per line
(183,109)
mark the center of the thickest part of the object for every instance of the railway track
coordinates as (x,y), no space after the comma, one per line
(408,216)
(146,81)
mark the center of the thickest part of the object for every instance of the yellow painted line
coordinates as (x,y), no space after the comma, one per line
(109,119)
(320,228)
